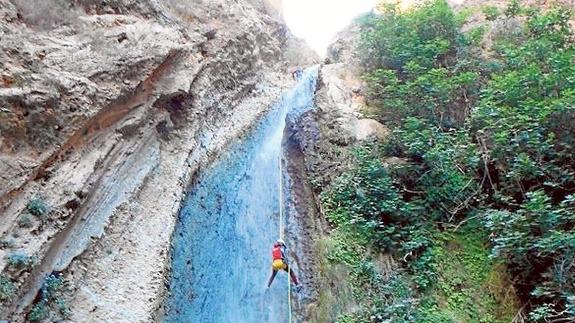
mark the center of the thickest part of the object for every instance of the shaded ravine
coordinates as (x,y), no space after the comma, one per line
(221,246)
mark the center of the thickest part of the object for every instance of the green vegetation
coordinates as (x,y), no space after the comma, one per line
(37,207)
(7,288)
(470,286)
(491,13)
(20,260)
(39,312)
(51,299)
(449,276)
(7,243)
(486,187)
(353,205)
(513,9)
(25,221)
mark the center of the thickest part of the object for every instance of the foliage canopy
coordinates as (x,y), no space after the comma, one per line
(485,139)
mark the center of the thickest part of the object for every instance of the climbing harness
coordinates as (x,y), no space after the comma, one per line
(282,232)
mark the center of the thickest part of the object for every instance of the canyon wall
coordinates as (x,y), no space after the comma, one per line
(108,111)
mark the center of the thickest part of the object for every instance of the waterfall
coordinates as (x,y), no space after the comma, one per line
(221,253)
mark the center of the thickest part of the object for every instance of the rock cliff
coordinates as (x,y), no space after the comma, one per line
(108,110)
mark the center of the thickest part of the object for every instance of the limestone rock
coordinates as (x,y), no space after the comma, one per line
(369,128)
(121,101)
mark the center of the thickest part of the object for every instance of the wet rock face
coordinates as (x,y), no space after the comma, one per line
(107,110)
(318,149)
(231,217)
(326,134)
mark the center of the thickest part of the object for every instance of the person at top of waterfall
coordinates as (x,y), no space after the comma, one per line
(297,74)
(280,262)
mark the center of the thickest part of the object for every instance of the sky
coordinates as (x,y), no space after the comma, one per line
(318,21)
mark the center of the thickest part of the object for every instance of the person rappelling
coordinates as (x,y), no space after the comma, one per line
(297,74)
(280,262)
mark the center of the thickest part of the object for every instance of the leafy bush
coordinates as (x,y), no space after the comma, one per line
(51,299)
(523,120)
(489,138)
(491,12)
(523,111)
(513,9)
(25,221)
(39,312)
(7,288)
(444,168)
(545,259)
(37,207)
(7,243)
(20,260)
(53,285)
(364,205)
(413,70)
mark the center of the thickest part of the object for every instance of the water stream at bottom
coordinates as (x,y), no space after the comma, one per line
(222,244)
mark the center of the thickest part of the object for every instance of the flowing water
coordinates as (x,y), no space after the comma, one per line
(221,256)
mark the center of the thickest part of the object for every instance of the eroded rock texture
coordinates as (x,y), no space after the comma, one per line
(107,110)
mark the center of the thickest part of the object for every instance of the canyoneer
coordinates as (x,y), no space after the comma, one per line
(297,74)
(280,263)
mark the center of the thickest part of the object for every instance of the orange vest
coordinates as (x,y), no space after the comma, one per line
(277,253)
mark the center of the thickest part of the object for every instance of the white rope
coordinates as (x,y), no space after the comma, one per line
(282,229)
(281,199)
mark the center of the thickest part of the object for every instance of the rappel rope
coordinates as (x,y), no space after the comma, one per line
(282,229)
(281,198)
